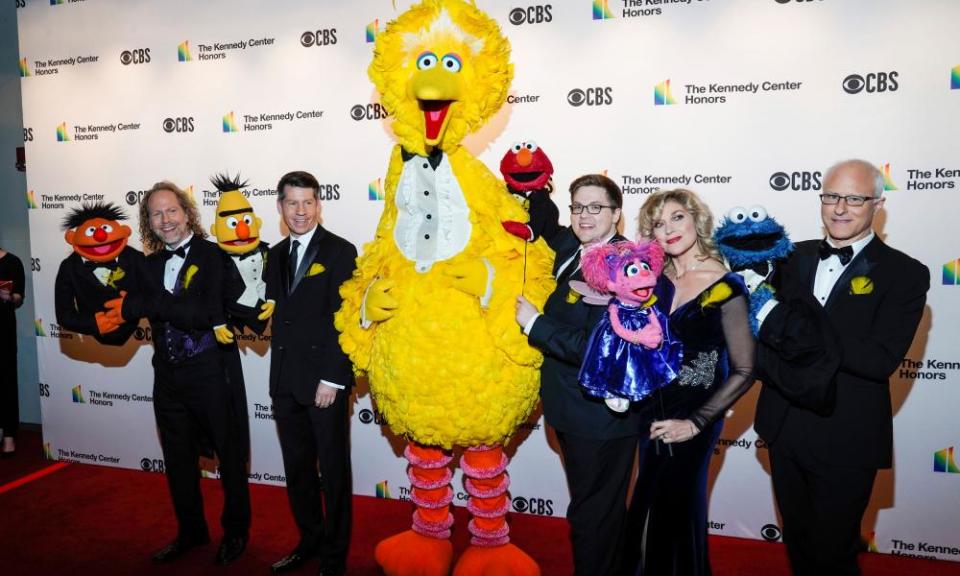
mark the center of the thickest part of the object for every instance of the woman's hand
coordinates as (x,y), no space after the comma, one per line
(670,431)
(525,311)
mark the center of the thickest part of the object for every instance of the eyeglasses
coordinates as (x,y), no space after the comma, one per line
(590,208)
(830,199)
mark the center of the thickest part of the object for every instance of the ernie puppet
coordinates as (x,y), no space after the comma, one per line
(428,316)
(99,268)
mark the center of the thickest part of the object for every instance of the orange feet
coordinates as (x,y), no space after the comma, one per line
(505,560)
(412,554)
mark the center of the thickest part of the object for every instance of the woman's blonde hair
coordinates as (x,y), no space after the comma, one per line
(652,211)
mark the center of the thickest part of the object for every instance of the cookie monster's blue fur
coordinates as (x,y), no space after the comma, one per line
(754,244)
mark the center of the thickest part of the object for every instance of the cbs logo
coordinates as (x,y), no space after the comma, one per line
(770,532)
(780,181)
(596,96)
(324,37)
(329,192)
(133,197)
(138,56)
(366,416)
(151,465)
(374,111)
(141,333)
(182,124)
(20,3)
(44,390)
(539,506)
(28,134)
(531,15)
(874,82)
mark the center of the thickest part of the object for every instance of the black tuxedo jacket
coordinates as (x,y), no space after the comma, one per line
(304,347)
(78,295)
(239,315)
(197,303)
(872,315)
(561,333)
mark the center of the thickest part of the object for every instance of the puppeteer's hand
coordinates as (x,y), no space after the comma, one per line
(470,277)
(518,229)
(378,304)
(114,309)
(105,323)
(267,310)
(325,395)
(525,311)
(670,431)
(223,334)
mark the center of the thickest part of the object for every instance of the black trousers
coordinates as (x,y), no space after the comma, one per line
(598,474)
(821,507)
(191,402)
(310,436)
(9,393)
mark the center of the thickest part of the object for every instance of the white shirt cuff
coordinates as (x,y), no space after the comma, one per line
(767,307)
(333,385)
(529,325)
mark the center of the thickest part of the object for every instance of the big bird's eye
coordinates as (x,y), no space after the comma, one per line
(631,269)
(89,231)
(247,219)
(531,146)
(757,213)
(737,215)
(451,63)
(231,222)
(426,60)
(517,147)
(106,228)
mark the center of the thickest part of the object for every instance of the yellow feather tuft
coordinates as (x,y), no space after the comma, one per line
(718,294)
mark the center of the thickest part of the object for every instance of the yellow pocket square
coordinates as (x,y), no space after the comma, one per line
(861,285)
(315,268)
(188,276)
(573,297)
(115,276)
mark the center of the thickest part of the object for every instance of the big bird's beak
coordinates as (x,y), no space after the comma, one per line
(435,90)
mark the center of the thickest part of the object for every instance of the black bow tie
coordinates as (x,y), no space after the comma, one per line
(167,254)
(436,155)
(91,265)
(845,254)
(243,257)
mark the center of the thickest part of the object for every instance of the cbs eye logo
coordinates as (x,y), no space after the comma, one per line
(138,56)
(181,124)
(531,15)
(366,416)
(770,532)
(373,111)
(323,37)
(874,82)
(596,96)
(781,181)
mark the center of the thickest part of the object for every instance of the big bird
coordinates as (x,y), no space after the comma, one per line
(428,316)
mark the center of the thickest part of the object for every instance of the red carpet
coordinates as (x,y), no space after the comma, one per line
(99,520)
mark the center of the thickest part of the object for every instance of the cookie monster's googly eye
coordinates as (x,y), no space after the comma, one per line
(231,223)
(757,213)
(737,215)
(247,219)
(89,231)
(517,146)
(451,63)
(426,60)
(106,228)
(531,146)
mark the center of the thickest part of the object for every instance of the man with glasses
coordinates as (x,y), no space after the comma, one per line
(853,303)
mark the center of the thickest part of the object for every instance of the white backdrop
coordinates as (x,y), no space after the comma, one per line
(762,96)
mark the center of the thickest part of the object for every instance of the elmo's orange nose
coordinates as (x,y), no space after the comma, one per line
(524,157)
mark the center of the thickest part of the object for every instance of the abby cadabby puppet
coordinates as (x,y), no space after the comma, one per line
(631,353)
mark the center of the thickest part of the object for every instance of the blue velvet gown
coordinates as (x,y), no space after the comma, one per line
(666,530)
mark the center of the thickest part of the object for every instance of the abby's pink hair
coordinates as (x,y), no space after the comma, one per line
(600,264)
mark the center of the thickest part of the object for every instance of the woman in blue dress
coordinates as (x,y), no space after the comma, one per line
(708,311)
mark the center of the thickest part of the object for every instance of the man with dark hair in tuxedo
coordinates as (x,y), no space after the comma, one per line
(193,396)
(849,306)
(310,376)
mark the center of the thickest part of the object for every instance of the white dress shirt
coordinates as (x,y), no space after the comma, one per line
(304,240)
(172,268)
(830,270)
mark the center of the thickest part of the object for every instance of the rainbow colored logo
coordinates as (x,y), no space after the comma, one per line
(950,272)
(383,490)
(31,200)
(943,461)
(601,10)
(56,2)
(48,451)
(62,132)
(662,95)
(374,191)
(78,395)
(25,68)
(887,180)
(955,78)
(183,52)
(38,327)
(229,123)
(372,29)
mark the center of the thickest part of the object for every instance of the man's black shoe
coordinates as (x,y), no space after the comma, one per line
(231,547)
(288,563)
(176,549)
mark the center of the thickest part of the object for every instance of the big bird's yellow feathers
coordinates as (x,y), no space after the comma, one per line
(444,370)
